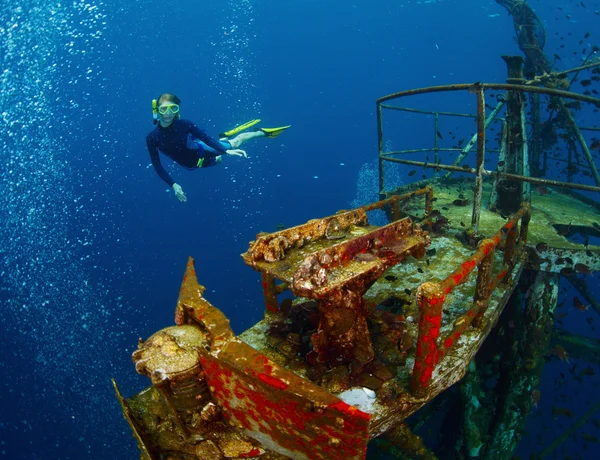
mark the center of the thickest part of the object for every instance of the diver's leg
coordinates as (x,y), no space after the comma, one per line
(244,137)
(212,152)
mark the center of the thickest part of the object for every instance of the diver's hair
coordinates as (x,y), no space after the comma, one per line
(168,97)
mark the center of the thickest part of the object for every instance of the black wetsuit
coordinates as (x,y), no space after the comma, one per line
(180,142)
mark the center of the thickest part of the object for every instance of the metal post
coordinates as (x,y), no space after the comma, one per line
(480,159)
(380,147)
(436,143)
(473,140)
(526,187)
(510,192)
(500,167)
(430,299)
(536,169)
(484,278)
(270,293)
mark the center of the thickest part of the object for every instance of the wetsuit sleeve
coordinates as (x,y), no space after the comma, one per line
(201,134)
(158,167)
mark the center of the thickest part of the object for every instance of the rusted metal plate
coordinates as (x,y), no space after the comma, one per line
(357,261)
(274,246)
(324,266)
(192,307)
(287,414)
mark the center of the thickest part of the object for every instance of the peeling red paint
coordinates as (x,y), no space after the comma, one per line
(281,415)
(350,410)
(253,453)
(272,381)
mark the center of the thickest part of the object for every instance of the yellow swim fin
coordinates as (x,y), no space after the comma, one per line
(240,128)
(274,132)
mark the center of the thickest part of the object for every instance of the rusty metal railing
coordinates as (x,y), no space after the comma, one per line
(397,201)
(431,348)
(479,171)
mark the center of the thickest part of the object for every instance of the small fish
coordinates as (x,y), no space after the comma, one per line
(462,223)
(585,82)
(565,230)
(587,35)
(431,252)
(500,164)
(561,353)
(391,278)
(535,397)
(595,145)
(583,268)
(589,437)
(407,291)
(286,306)
(445,208)
(439,135)
(460,202)
(556,411)
(420,270)
(542,190)
(578,304)
(541,247)
(413,172)
(587,372)
(567,271)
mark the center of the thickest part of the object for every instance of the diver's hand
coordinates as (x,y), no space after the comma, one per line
(179,193)
(237,153)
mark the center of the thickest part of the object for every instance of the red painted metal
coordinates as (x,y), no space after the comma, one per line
(431,297)
(431,302)
(270,293)
(292,415)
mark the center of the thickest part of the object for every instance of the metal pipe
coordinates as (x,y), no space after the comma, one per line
(586,151)
(431,303)
(465,151)
(436,143)
(478,189)
(394,198)
(526,190)
(500,166)
(494,86)
(426,112)
(380,147)
(532,180)
(270,293)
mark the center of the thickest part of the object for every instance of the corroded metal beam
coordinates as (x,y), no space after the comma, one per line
(527,371)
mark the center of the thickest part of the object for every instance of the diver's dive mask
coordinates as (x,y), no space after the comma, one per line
(164,109)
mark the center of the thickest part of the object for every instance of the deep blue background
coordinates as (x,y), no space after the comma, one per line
(317,65)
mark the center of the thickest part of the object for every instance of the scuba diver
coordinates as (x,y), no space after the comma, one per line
(189,146)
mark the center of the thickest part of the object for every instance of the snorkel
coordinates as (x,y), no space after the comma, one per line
(154,111)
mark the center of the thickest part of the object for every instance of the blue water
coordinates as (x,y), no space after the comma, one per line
(94,245)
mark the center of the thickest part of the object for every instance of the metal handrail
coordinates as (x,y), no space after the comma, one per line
(479,171)
(431,297)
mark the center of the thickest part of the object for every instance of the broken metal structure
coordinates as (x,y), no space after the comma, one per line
(366,324)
